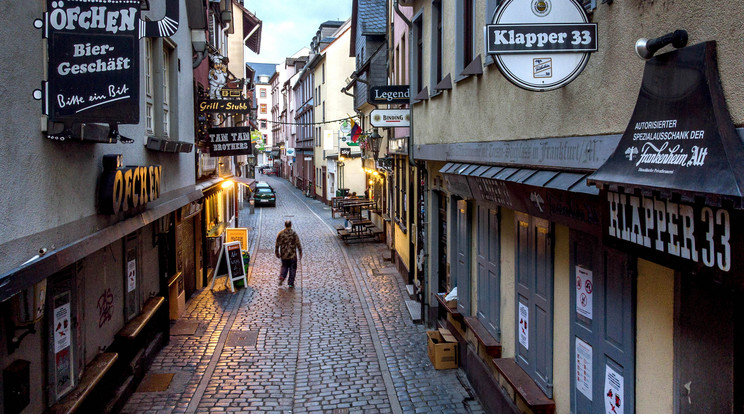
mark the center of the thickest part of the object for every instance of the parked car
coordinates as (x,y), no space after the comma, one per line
(263,184)
(270,171)
(263,167)
(264,195)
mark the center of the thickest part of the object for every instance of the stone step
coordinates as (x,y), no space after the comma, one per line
(410,290)
(414,309)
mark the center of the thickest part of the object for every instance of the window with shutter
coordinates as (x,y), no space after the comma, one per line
(534,290)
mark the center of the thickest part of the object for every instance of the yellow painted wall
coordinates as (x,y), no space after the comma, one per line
(562,285)
(401,246)
(655,339)
(508,280)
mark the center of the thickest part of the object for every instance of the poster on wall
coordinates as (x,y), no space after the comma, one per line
(584,368)
(131,275)
(613,391)
(524,317)
(584,289)
(62,350)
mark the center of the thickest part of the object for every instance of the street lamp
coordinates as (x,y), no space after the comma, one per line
(375,141)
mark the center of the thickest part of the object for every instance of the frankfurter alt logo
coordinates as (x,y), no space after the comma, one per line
(542,50)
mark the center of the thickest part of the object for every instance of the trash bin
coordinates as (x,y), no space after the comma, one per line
(342,192)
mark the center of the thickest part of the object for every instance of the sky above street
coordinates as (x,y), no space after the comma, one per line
(289,25)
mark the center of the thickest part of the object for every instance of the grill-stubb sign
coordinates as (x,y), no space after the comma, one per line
(541,45)
(93,67)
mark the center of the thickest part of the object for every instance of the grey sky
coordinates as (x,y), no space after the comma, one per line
(289,25)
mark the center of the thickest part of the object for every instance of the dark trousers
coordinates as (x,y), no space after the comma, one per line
(291,266)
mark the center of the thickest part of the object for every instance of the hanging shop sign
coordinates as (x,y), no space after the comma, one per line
(345,152)
(127,189)
(93,65)
(230,141)
(390,94)
(231,93)
(290,152)
(540,45)
(232,106)
(390,118)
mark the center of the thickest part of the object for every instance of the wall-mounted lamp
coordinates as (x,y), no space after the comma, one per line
(375,140)
(27,309)
(645,48)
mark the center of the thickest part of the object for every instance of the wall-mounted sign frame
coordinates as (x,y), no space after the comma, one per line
(227,106)
(230,141)
(93,66)
(541,45)
(390,118)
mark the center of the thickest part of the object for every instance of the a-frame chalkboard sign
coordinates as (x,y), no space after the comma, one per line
(233,256)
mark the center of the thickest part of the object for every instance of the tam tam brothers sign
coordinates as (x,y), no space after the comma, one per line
(230,141)
(93,49)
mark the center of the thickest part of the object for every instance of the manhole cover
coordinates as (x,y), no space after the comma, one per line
(184,328)
(155,382)
(241,338)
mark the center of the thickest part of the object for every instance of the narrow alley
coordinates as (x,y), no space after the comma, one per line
(340,341)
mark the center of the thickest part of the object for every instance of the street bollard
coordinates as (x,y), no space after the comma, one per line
(253,204)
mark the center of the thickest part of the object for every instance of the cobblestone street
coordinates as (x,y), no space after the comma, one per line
(340,341)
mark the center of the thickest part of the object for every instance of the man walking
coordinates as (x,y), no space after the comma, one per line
(288,249)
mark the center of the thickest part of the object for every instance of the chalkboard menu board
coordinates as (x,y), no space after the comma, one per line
(235,260)
(232,265)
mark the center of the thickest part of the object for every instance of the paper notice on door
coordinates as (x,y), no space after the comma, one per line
(62,327)
(584,289)
(613,391)
(524,333)
(584,368)
(131,275)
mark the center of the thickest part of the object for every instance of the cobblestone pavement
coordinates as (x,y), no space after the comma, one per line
(340,341)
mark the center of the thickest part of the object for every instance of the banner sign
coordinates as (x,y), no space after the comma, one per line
(93,66)
(390,94)
(230,141)
(234,106)
(541,45)
(390,118)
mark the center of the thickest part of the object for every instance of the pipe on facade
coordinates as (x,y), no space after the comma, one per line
(401,15)
(199,59)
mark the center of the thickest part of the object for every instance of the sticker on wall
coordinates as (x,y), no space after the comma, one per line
(613,391)
(524,333)
(584,289)
(61,327)
(131,275)
(584,368)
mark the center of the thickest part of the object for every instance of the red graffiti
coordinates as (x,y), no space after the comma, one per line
(105,304)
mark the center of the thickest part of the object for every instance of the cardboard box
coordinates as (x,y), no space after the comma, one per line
(442,349)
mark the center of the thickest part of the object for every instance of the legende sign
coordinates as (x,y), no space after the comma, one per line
(390,94)
(93,48)
(541,45)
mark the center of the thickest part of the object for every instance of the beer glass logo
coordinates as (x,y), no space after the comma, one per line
(541,8)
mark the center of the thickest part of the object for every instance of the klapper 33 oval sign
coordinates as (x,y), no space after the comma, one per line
(541,45)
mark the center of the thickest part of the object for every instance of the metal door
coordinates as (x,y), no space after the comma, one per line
(462,256)
(602,328)
(489,280)
(705,336)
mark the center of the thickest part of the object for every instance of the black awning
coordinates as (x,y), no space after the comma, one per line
(560,196)
(680,141)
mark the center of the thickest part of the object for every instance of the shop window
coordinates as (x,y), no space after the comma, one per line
(491,6)
(489,271)
(149,87)
(436,43)
(417,63)
(534,301)
(464,35)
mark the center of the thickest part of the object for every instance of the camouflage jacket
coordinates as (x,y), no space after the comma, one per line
(287,244)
